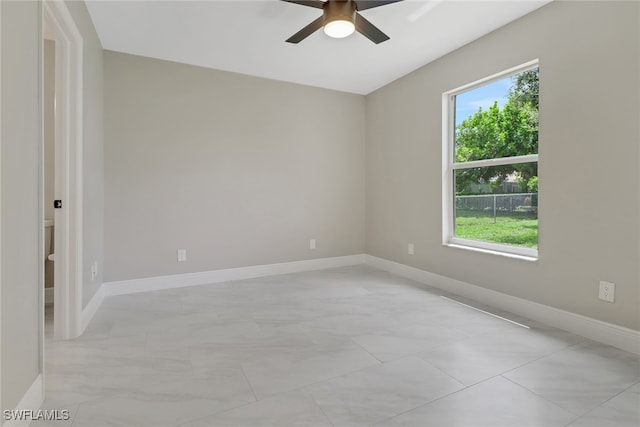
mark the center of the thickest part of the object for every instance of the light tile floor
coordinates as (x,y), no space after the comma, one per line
(344,347)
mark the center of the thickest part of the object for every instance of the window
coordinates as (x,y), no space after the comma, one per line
(490,163)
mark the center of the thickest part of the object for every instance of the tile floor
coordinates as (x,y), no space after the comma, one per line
(345,347)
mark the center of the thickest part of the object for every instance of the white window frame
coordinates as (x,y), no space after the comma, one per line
(449,166)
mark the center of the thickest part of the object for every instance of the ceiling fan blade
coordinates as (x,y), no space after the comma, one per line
(369,30)
(370,4)
(318,4)
(307,31)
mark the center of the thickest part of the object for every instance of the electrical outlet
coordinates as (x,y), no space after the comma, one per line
(94,270)
(607,291)
(312,244)
(411,249)
(182,255)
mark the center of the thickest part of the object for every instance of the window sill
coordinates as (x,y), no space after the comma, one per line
(492,252)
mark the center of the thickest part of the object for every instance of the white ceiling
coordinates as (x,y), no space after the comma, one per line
(248,37)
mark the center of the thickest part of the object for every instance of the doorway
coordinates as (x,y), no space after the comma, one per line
(61,34)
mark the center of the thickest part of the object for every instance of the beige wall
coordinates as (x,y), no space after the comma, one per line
(19,182)
(92,149)
(589,180)
(237,170)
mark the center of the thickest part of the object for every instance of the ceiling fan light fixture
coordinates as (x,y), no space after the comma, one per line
(339,28)
(340,19)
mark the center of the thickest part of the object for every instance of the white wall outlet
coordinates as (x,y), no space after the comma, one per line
(182,255)
(94,270)
(312,244)
(411,249)
(607,291)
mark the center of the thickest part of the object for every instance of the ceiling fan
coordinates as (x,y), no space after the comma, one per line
(340,18)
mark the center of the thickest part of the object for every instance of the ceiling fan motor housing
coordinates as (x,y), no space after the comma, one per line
(339,10)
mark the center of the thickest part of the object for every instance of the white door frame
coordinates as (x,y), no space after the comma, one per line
(68,169)
(1,405)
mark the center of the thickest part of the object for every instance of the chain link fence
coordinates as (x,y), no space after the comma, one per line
(524,205)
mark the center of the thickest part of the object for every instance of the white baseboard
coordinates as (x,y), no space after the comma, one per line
(91,308)
(31,401)
(205,277)
(48,295)
(217,276)
(617,336)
